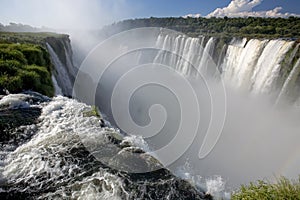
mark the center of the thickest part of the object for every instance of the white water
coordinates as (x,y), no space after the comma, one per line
(206,56)
(48,159)
(62,123)
(240,62)
(251,65)
(214,185)
(185,54)
(61,73)
(58,90)
(288,89)
(256,65)
(72,70)
(14,101)
(268,66)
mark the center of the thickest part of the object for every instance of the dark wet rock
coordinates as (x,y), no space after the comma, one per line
(13,117)
(11,120)
(3,91)
(19,115)
(158,184)
(67,164)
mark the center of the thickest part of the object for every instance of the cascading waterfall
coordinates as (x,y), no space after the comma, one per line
(256,66)
(253,65)
(58,90)
(61,73)
(264,68)
(288,89)
(69,61)
(184,53)
(240,62)
(205,58)
(268,66)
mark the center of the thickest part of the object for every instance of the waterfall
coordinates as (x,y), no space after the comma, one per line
(69,62)
(256,65)
(240,62)
(185,54)
(61,74)
(289,86)
(268,66)
(57,89)
(206,56)
(253,65)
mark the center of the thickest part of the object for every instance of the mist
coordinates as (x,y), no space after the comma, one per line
(64,15)
(244,137)
(80,19)
(258,140)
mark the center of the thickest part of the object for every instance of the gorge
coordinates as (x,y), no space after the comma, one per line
(257,115)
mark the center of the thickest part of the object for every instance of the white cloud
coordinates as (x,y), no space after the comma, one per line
(244,8)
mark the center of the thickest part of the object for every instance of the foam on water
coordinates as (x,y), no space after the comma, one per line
(62,121)
(137,141)
(14,101)
(214,185)
(56,164)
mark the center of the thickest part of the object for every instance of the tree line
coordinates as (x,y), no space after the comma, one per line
(253,27)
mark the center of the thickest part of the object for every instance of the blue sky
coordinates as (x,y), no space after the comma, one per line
(183,7)
(91,13)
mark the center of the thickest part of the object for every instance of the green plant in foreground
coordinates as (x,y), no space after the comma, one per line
(262,190)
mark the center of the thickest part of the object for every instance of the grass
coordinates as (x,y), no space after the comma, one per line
(283,189)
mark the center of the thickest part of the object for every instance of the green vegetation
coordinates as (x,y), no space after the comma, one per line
(93,112)
(25,62)
(251,27)
(283,189)
(32,38)
(25,67)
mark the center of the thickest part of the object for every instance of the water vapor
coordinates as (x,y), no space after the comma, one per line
(63,15)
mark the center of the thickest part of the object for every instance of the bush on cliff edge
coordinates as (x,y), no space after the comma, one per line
(25,67)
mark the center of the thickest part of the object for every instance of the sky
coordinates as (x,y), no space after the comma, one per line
(96,13)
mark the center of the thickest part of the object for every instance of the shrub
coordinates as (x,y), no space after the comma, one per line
(41,71)
(25,67)
(7,54)
(11,83)
(34,56)
(30,79)
(9,67)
